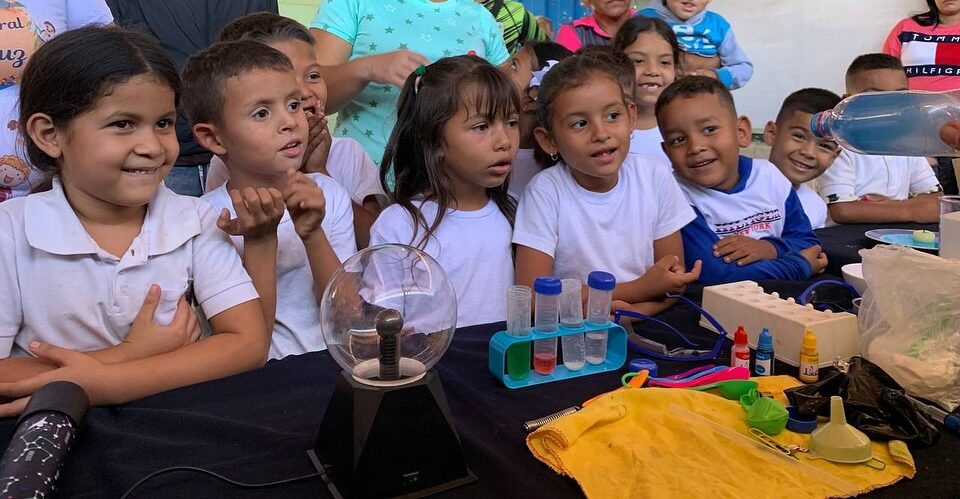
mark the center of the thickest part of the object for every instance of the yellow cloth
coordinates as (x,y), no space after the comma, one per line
(663,442)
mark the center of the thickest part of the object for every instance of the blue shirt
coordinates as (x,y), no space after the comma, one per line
(765,206)
(434,30)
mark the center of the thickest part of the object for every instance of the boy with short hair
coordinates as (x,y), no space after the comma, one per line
(750,224)
(707,40)
(879,189)
(293,229)
(797,152)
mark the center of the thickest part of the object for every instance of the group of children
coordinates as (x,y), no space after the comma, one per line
(555,164)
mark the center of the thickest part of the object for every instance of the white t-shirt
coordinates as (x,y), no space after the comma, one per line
(297,326)
(853,176)
(611,231)
(347,163)
(524,169)
(473,247)
(25,27)
(647,142)
(62,288)
(813,206)
(756,210)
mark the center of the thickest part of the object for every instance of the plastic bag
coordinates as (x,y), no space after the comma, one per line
(910,320)
(873,402)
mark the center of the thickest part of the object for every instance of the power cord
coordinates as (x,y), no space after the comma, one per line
(322,474)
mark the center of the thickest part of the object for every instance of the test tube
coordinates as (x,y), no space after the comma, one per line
(599,296)
(546,320)
(571,317)
(518,324)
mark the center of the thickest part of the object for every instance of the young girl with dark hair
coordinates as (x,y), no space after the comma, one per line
(95,269)
(652,47)
(600,208)
(452,151)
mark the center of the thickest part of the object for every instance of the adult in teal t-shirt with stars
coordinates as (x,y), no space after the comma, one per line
(369,47)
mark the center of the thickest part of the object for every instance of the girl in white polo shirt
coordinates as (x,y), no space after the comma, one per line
(600,208)
(82,264)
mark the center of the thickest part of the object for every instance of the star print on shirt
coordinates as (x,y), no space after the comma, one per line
(389,30)
(368,133)
(373,47)
(427,38)
(374,103)
(389,8)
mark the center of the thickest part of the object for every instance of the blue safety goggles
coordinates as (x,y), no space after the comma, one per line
(652,348)
(830,294)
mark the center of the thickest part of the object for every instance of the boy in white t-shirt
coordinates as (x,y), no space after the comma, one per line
(749,224)
(293,229)
(342,159)
(797,152)
(879,189)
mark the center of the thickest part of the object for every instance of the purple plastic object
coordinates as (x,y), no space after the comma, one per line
(726,374)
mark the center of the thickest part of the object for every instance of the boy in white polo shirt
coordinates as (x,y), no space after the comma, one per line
(749,224)
(801,156)
(879,189)
(293,229)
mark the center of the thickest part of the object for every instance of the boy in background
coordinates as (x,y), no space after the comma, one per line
(797,152)
(707,40)
(879,189)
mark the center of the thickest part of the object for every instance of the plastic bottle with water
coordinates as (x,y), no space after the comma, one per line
(904,123)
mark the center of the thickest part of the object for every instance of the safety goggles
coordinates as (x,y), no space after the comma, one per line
(652,348)
(830,294)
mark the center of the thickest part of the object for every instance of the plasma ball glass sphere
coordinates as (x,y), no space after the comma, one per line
(370,285)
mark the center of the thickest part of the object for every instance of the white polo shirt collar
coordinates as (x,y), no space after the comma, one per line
(52,226)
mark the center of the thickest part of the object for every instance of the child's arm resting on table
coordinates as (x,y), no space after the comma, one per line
(240,344)
(924,208)
(698,243)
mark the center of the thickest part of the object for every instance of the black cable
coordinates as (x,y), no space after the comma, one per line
(322,475)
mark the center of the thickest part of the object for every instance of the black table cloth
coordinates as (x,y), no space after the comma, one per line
(257,427)
(843,242)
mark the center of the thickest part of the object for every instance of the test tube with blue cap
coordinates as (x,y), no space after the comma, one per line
(599,297)
(546,320)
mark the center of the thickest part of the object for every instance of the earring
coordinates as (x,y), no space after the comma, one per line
(554,156)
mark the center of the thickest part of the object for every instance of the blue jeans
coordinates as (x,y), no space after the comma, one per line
(187,180)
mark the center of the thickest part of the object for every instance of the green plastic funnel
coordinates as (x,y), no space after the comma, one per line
(839,442)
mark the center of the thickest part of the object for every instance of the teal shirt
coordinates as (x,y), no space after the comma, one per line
(435,30)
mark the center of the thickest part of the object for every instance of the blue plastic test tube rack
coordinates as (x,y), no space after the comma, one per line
(616,355)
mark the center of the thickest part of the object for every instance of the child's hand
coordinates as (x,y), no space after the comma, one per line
(744,250)
(816,257)
(306,203)
(93,376)
(258,213)
(318,146)
(147,338)
(673,276)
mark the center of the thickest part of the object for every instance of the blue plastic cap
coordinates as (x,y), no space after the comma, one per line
(636,365)
(604,281)
(765,342)
(547,286)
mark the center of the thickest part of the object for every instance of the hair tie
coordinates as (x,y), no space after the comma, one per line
(420,71)
(537,76)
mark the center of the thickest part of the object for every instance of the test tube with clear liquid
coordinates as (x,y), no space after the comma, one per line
(599,296)
(571,317)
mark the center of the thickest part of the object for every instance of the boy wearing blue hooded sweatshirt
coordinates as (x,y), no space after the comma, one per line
(710,49)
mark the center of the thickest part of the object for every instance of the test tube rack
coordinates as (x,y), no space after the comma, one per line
(745,303)
(500,342)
